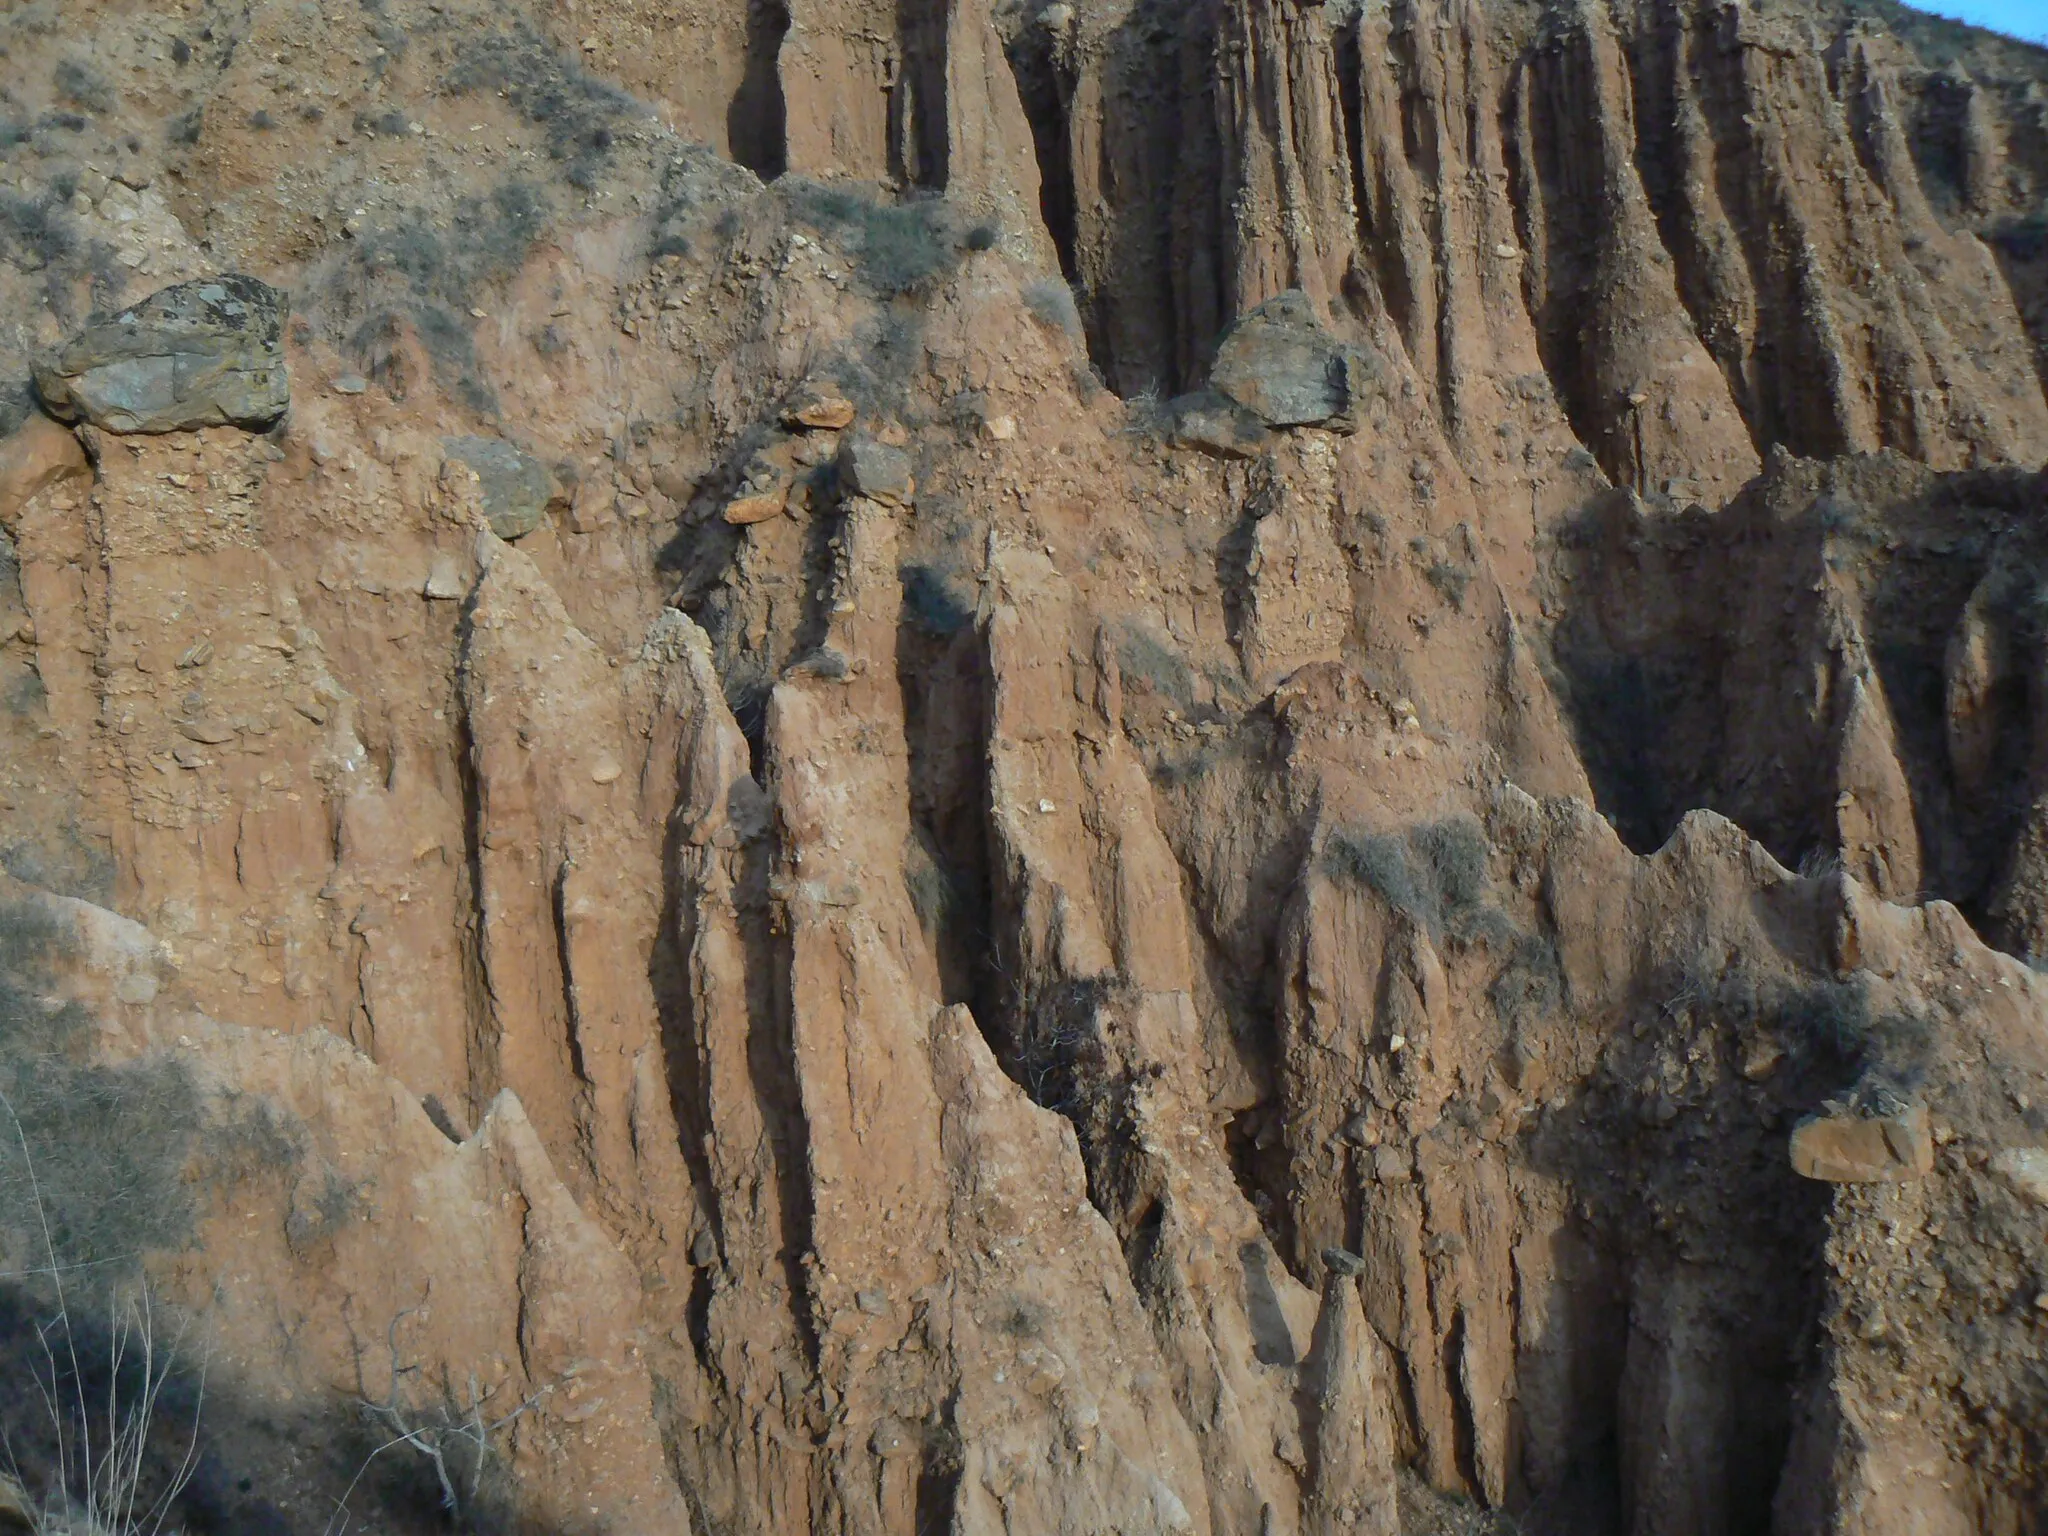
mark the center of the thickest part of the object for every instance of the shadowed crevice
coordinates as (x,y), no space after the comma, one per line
(756,122)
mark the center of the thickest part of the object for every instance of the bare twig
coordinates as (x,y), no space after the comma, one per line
(454,1437)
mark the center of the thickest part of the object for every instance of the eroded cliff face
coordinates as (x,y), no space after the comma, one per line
(924,939)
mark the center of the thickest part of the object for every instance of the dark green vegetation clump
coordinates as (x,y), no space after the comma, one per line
(92,1157)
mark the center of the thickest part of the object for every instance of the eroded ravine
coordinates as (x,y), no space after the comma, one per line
(1257,768)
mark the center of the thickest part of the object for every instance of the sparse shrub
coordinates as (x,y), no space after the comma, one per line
(490,238)
(455,1430)
(983,237)
(1829,1025)
(1148,415)
(453,349)
(1023,1317)
(28,937)
(1449,577)
(17,403)
(34,232)
(879,369)
(1051,303)
(1832,1017)
(827,207)
(250,1136)
(1151,665)
(1836,515)
(888,361)
(262,121)
(92,1157)
(967,411)
(1450,580)
(448,343)
(81,85)
(1454,850)
(1379,862)
(100,1436)
(391,37)
(113,1460)
(1060,1060)
(577,110)
(1530,987)
(901,248)
(110,1147)
(692,182)
(439,278)
(1435,875)
(57,856)
(934,603)
(1901,1050)
(933,893)
(505,224)
(896,247)
(1178,772)
(336,1202)
(1819,862)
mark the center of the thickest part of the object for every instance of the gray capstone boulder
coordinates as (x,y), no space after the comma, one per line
(875,470)
(206,353)
(1214,423)
(517,487)
(1281,365)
